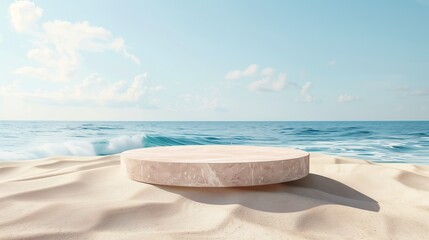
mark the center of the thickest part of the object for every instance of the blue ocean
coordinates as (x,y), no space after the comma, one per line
(391,141)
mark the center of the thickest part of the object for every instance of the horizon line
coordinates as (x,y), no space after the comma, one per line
(389,120)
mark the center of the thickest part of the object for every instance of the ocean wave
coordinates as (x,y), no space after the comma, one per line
(356,133)
(79,148)
(103,147)
(118,144)
(407,142)
(69,148)
(309,131)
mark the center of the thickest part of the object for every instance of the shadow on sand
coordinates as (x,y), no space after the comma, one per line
(309,192)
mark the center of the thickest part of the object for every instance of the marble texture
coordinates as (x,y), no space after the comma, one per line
(214,165)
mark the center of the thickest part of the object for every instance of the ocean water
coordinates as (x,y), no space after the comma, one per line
(376,141)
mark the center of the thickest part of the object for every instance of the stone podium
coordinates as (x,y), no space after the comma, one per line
(214,165)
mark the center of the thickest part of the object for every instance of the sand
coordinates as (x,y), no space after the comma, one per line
(88,198)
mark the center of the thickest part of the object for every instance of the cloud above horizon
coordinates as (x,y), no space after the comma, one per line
(24,15)
(268,84)
(207,102)
(305,92)
(247,72)
(93,90)
(345,98)
(57,45)
(407,91)
(79,60)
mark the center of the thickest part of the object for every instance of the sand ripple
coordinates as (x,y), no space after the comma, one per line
(88,198)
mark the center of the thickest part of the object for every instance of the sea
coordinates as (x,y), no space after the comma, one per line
(377,141)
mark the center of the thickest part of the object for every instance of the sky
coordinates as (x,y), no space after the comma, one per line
(214,60)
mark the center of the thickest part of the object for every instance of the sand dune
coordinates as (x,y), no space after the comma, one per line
(88,198)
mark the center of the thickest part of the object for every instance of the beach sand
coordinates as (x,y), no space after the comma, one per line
(88,198)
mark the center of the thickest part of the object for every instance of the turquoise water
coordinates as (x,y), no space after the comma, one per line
(375,141)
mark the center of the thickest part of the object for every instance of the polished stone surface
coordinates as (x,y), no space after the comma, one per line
(215,165)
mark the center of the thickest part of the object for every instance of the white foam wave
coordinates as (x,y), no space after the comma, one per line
(123,143)
(78,148)
(74,148)
(5,155)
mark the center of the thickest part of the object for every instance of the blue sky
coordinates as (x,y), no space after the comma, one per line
(214,60)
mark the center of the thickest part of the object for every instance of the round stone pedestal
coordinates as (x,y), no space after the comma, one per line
(215,165)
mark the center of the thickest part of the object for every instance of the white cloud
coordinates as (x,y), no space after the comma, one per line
(412,92)
(24,15)
(305,92)
(36,72)
(267,72)
(332,63)
(345,98)
(249,71)
(269,84)
(93,90)
(196,101)
(233,74)
(9,90)
(57,44)
(212,103)
(119,46)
